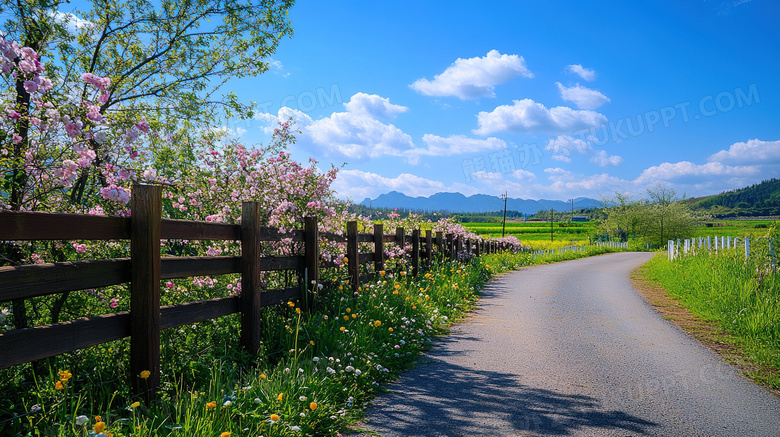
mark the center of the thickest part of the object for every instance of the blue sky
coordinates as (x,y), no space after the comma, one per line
(546,99)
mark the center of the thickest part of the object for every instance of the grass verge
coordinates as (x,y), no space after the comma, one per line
(723,302)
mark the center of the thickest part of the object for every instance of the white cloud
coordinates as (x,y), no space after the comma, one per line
(357,185)
(562,147)
(474,78)
(603,159)
(277,67)
(73,22)
(527,116)
(688,172)
(584,98)
(750,152)
(524,175)
(579,70)
(353,135)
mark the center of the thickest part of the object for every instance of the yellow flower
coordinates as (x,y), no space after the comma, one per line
(346,260)
(262,376)
(290,304)
(390,329)
(211,405)
(346,317)
(145,374)
(280,397)
(403,273)
(298,310)
(225,434)
(395,292)
(349,310)
(377,323)
(99,427)
(135,405)
(64,375)
(311,342)
(58,385)
(274,418)
(313,406)
(397,287)
(342,329)
(382,273)
(354,316)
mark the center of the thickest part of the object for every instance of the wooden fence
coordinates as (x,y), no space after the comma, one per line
(146,268)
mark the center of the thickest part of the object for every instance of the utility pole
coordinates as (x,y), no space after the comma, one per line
(503,225)
(572,210)
(552,219)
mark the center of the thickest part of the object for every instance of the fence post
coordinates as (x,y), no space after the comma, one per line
(250,276)
(670,249)
(458,247)
(429,246)
(353,261)
(415,252)
(450,247)
(747,248)
(379,247)
(145,225)
(440,245)
(311,242)
(400,239)
(477,245)
(467,250)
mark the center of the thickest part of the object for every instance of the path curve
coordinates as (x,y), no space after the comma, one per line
(571,349)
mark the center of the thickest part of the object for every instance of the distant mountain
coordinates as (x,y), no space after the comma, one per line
(456,202)
(762,199)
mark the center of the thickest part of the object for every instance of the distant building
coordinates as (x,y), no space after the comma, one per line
(579,218)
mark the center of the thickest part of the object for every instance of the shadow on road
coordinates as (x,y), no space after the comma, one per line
(442,399)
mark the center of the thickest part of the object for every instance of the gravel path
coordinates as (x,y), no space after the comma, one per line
(571,349)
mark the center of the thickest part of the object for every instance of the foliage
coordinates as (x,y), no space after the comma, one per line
(760,199)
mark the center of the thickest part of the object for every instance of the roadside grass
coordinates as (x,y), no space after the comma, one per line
(319,369)
(741,297)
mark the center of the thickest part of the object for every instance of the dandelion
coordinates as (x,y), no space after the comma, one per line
(225,434)
(274,418)
(262,376)
(346,317)
(390,329)
(290,304)
(280,397)
(211,405)
(342,329)
(377,323)
(349,310)
(313,406)
(382,273)
(100,427)
(145,374)
(135,405)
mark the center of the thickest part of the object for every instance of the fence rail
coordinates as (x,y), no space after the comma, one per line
(716,244)
(146,268)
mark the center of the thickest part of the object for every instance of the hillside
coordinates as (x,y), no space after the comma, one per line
(762,199)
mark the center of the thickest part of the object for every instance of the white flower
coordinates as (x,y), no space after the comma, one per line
(82,420)
(302,398)
(315,359)
(358,372)
(295,428)
(227,404)
(349,368)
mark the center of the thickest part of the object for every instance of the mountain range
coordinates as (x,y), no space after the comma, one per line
(457,202)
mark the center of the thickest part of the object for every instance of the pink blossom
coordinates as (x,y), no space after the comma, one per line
(17,139)
(143,126)
(30,86)
(114,303)
(80,248)
(28,67)
(150,174)
(98,82)
(123,174)
(73,129)
(13,115)
(117,194)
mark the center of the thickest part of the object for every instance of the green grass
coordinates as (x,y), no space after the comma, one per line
(536,231)
(338,354)
(743,297)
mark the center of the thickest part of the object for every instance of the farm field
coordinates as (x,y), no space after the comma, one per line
(537,234)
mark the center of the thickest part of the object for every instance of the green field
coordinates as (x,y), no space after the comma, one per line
(565,233)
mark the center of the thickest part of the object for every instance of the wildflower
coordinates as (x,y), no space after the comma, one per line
(100,427)
(225,434)
(313,406)
(135,405)
(64,375)
(298,310)
(81,420)
(303,398)
(346,259)
(280,397)
(295,428)
(58,385)
(382,273)
(262,376)
(349,368)
(346,317)
(274,418)
(227,404)
(343,329)
(390,329)
(358,372)
(377,323)
(145,374)
(315,359)
(211,405)
(311,342)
